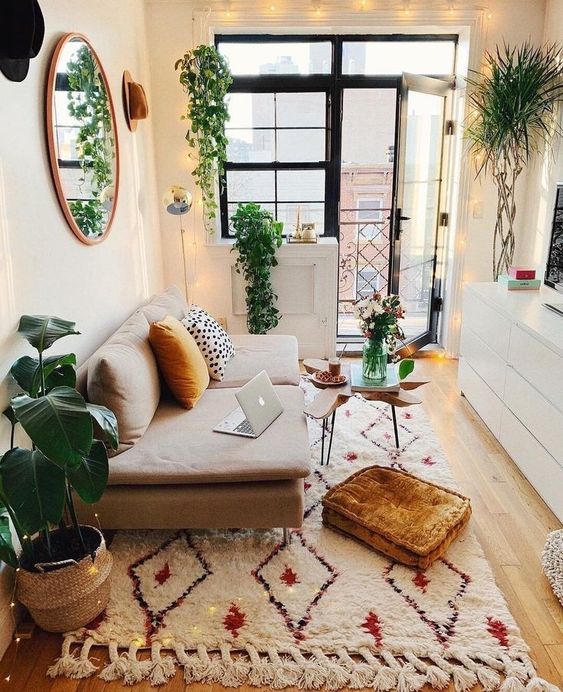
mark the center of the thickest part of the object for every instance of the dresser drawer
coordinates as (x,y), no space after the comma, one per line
(539,467)
(486,362)
(487,404)
(542,419)
(487,323)
(538,364)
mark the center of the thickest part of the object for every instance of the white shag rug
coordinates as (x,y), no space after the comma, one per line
(242,607)
(552,562)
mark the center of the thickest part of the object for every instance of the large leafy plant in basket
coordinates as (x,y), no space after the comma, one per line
(64,457)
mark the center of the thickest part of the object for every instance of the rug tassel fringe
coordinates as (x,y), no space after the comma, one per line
(73,667)
(118,665)
(435,677)
(235,671)
(379,670)
(161,668)
(136,670)
(361,674)
(285,671)
(261,672)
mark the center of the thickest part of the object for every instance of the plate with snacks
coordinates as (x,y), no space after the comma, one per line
(324,378)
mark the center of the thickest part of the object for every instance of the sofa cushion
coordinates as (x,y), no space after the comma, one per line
(274,353)
(169,302)
(212,340)
(179,360)
(122,375)
(180,446)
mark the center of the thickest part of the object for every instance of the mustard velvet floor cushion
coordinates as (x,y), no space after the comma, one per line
(409,519)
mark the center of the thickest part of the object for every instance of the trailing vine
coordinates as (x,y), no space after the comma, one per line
(206,78)
(257,237)
(88,102)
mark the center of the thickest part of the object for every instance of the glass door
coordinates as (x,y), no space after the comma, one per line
(417,210)
(367,175)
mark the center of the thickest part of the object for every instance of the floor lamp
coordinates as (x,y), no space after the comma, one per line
(178,201)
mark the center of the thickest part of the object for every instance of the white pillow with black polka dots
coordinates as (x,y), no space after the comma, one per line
(212,340)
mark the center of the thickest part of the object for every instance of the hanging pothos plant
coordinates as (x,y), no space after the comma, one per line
(257,237)
(206,78)
(88,103)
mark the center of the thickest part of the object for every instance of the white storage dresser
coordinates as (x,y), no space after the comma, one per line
(511,372)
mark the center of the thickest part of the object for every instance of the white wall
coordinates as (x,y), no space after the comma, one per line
(546,170)
(43,266)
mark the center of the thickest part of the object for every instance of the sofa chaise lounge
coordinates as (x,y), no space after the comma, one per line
(171,469)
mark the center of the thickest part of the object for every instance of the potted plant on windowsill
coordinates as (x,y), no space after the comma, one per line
(63,569)
(257,238)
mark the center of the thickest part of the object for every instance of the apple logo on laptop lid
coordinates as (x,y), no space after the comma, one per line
(261,401)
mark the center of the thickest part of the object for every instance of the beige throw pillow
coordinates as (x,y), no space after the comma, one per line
(123,376)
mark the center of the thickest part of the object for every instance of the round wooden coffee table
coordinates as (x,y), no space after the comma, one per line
(330,398)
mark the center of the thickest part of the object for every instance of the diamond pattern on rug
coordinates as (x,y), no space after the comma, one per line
(292,596)
(316,487)
(324,610)
(380,433)
(181,572)
(434,594)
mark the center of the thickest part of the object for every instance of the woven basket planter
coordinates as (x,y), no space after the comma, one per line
(68,598)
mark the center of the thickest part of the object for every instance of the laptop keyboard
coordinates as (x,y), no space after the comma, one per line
(244,427)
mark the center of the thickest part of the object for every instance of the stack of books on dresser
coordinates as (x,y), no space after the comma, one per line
(520,278)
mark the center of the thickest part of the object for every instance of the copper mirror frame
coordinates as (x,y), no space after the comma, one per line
(106,197)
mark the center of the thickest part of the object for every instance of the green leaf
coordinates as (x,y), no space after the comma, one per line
(43,330)
(406,366)
(107,421)
(58,423)
(10,415)
(90,477)
(7,552)
(34,488)
(27,372)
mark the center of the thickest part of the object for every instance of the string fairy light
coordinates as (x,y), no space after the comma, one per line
(17,639)
(228,9)
(406,7)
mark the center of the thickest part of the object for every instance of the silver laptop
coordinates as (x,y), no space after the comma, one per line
(259,408)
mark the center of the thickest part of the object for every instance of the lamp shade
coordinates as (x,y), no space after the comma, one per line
(177,200)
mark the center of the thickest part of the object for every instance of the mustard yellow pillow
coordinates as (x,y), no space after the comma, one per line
(180,361)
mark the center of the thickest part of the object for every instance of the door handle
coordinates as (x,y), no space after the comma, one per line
(399,217)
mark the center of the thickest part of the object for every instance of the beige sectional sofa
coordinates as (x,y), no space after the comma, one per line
(172,470)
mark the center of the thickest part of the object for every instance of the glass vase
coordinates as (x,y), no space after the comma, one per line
(374,360)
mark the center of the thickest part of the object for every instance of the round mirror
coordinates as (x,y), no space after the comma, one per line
(82,135)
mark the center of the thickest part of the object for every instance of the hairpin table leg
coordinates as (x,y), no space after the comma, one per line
(286,536)
(395,428)
(331,434)
(323,442)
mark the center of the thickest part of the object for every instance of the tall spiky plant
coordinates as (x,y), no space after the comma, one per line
(514,114)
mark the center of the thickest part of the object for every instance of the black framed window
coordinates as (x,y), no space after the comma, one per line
(285,107)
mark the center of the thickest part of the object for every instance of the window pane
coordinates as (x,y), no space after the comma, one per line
(277,58)
(296,185)
(250,145)
(395,57)
(251,110)
(309,212)
(251,186)
(301,110)
(301,145)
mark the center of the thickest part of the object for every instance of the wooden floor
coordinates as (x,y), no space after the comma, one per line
(508,516)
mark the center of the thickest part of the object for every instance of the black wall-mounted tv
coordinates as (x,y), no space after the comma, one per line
(554,268)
